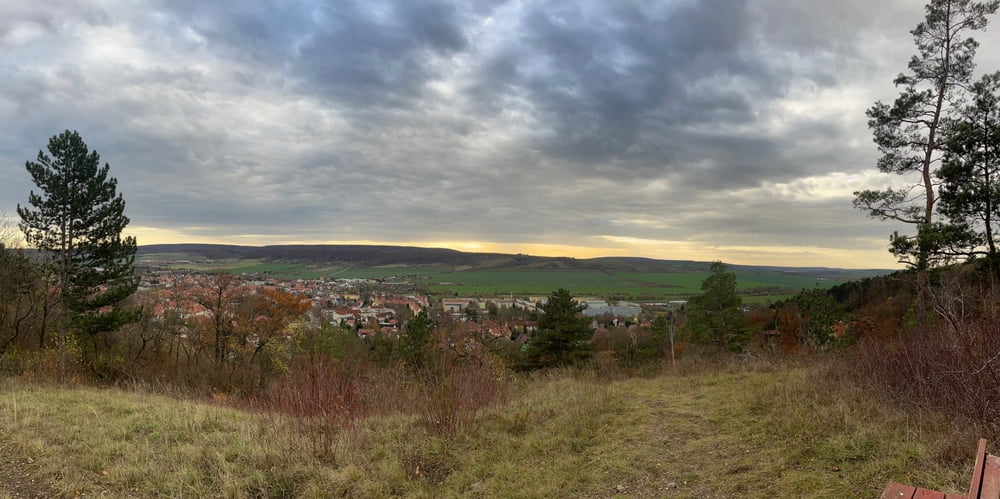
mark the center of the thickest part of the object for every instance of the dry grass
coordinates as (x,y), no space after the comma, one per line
(797,432)
(719,431)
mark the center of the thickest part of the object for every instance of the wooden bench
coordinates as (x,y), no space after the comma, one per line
(985,481)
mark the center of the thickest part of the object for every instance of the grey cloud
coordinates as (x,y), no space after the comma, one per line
(499,121)
(357,54)
(261,32)
(600,81)
(52,16)
(359,58)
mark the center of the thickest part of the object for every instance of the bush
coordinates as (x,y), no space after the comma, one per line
(326,395)
(957,371)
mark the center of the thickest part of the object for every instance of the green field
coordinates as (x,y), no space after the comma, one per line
(530,282)
(757,279)
(756,285)
(292,270)
(630,284)
(393,271)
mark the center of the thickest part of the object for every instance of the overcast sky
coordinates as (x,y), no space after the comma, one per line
(680,129)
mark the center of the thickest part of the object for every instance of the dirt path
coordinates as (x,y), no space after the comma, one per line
(689,444)
(18,476)
(681,447)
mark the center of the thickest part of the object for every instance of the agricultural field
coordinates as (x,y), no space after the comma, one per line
(747,280)
(534,282)
(390,271)
(648,280)
(760,286)
(282,269)
(289,270)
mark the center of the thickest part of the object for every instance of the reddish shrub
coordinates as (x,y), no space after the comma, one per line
(319,388)
(957,370)
(324,396)
(453,394)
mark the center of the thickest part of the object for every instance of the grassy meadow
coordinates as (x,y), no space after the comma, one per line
(720,429)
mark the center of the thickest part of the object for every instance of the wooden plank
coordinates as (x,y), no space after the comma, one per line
(977,470)
(897,490)
(991,478)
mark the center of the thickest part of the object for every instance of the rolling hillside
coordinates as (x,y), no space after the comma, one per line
(360,256)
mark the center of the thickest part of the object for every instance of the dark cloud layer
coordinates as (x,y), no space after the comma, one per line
(731,128)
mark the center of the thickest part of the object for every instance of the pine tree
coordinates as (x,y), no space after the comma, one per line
(414,341)
(563,334)
(909,132)
(77,219)
(716,315)
(970,174)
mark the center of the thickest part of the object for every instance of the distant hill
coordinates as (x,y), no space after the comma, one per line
(379,256)
(353,254)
